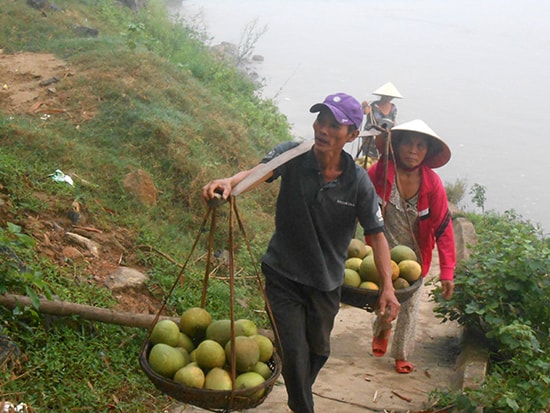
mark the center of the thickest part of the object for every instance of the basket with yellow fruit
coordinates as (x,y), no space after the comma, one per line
(361,280)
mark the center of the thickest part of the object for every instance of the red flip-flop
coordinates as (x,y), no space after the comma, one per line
(380,343)
(403,366)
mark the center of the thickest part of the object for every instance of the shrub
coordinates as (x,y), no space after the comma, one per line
(501,290)
(456,191)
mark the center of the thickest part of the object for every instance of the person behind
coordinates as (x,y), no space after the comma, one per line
(381,113)
(322,195)
(416,214)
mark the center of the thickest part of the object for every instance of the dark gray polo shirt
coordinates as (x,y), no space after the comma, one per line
(315,222)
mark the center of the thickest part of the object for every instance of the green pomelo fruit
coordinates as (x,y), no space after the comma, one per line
(369,285)
(400,283)
(369,250)
(247,353)
(265,345)
(194,322)
(368,271)
(185,341)
(218,379)
(249,380)
(220,331)
(193,355)
(186,355)
(190,376)
(263,370)
(353,263)
(165,359)
(357,248)
(165,331)
(244,327)
(402,252)
(351,278)
(410,270)
(210,354)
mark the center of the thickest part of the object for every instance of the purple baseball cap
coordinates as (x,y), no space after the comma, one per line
(346,109)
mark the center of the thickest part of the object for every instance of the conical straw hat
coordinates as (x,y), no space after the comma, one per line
(439,152)
(388,89)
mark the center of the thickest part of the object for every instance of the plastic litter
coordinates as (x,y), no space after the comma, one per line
(59,176)
(11,408)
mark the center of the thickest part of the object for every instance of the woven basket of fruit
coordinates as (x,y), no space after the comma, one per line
(366,299)
(192,361)
(253,392)
(361,280)
(220,365)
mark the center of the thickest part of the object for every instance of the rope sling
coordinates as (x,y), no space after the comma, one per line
(214,400)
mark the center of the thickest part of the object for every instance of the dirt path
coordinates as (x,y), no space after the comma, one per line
(353,380)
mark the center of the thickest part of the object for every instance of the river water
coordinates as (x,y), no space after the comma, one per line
(475,71)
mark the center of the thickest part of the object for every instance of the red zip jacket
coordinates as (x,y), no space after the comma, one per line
(435,224)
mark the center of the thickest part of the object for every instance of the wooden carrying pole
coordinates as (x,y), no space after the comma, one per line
(103,315)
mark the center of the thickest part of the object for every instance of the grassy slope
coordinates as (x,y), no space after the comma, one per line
(160,102)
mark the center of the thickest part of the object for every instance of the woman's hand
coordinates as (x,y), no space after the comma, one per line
(388,303)
(447,289)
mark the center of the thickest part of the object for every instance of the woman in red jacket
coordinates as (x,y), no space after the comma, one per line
(416,214)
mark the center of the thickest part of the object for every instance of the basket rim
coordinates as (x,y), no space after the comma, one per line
(375,293)
(367,299)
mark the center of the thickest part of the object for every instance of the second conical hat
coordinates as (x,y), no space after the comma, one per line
(388,89)
(439,152)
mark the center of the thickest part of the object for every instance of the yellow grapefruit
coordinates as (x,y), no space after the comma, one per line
(351,278)
(245,327)
(185,341)
(368,271)
(165,331)
(247,353)
(165,359)
(210,354)
(369,285)
(249,380)
(194,322)
(353,263)
(394,270)
(402,252)
(263,369)
(265,345)
(357,248)
(218,379)
(220,331)
(400,283)
(190,376)
(410,270)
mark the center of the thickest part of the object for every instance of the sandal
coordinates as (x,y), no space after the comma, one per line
(403,366)
(380,343)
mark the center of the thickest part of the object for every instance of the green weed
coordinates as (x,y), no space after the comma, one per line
(500,291)
(147,94)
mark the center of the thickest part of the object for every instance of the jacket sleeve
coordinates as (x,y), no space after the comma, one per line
(443,230)
(376,174)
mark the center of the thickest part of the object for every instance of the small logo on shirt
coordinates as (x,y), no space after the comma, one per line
(345,203)
(379,216)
